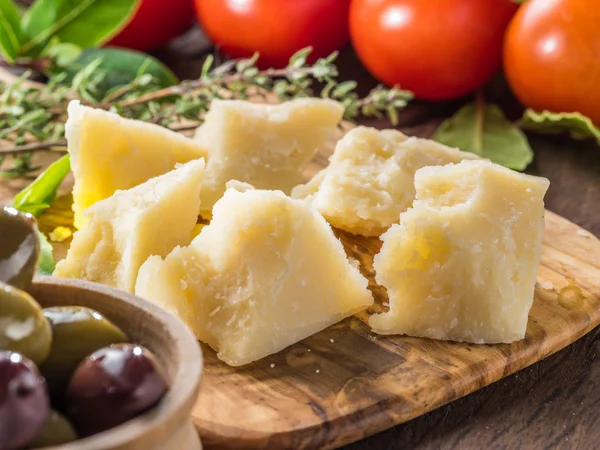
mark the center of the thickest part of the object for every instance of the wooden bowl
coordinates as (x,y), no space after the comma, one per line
(152,327)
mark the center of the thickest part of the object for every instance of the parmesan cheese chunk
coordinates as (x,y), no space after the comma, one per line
(109,152)
(462,263)
(370,178)
(128,227)
(265,145)
(266,273)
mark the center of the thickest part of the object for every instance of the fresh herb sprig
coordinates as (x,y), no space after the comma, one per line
(32,116)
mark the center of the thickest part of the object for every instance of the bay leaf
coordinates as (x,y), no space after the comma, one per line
(122,66)
(575,124)
(38,196)
(86,23)
(10,30)
(484,130)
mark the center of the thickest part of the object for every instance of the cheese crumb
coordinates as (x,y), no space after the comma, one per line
(214,311)
(272,365)
(331,340)
(547,285)
(60,234)
(317,370)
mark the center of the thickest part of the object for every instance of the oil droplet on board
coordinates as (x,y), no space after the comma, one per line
(571,296)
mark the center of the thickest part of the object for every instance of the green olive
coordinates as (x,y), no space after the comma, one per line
(23,327)
(19,247)
(76,333)
(57,430)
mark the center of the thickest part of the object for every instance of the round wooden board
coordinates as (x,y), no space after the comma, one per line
(346,383)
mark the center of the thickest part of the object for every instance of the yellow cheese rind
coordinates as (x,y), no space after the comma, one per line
(462,263)
(130,226)
(265,145)
(109,153)
(266,273)
(370,178)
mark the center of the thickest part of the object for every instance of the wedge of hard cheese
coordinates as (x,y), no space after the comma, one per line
(370,178)
(267,146)
(130,226)
(109,152)
(266,273)
(462,263)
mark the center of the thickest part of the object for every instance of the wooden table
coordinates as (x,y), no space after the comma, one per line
(549,405)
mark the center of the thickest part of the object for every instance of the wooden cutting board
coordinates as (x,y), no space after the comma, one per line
(346,383)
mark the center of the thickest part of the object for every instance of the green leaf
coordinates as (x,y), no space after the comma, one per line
(38,196)
(576,124)
(206,66)
(64,53)
(121,67)
(484,130)
(46,264)
(298,59)
(344,88)
(11,36)
(86,23)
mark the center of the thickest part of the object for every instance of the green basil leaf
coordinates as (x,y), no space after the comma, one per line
(576,124)
(121,67)
(11,36)
(86,23)
(38,196)
(485,131)
(46,263)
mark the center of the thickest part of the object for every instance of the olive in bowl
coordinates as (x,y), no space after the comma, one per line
(59,343)
(23,327)
(169,351)
(19,247)
(24,403)
(77,332)
(113,385)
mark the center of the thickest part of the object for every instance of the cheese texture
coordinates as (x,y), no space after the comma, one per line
(130,226)
(370,178)
(109,152)
(267,146)
(266,273)
(462,263)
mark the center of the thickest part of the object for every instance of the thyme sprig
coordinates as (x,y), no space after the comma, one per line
(32,116)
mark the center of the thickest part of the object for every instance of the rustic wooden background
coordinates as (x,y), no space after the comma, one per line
(551,404)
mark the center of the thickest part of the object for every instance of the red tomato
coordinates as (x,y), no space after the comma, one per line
(439,49)
(275,28)
(155,23)
(551,56)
